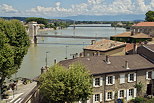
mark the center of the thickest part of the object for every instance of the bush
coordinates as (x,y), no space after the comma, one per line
(139,100)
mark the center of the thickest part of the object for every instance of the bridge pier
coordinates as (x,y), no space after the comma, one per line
(32,31)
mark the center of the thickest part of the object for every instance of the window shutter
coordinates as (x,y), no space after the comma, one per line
(118,93)
(128,77)
(122,78)
(125,91)
(94,98)
(101,81)
(135,92)
(127,95)
(146,75)
(113,79)
(93,82)
(152,74)
(107,80)
(101,97)
(88,101)
(113,95)
(106,96)
(134,76)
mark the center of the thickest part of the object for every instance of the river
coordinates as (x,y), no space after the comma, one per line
(60,48)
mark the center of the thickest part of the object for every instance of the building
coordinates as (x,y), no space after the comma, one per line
(144,27)
(114,77)
(131,37)
(105,47)
(147,51)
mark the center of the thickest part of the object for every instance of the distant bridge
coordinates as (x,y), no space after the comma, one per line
(67,36)
(87,26)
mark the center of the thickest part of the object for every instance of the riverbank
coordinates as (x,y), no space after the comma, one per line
(46,29)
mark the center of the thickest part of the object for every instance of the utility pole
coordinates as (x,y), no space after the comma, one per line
(46,59)
(66,52)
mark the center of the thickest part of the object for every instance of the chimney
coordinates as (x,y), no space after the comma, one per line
(107,60)
(93,42)
(126,65)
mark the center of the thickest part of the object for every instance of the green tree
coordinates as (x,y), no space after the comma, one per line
(14,43)
(149,16)
(60,85)
(38,20)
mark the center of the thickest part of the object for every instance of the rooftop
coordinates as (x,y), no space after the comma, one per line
(144,24)
(150,46)
(105,45)
(129,34)
(97,64)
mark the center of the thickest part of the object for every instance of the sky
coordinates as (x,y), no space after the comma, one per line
(65,8)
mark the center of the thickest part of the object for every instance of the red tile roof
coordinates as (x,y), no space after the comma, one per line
(105,45)
(144,24)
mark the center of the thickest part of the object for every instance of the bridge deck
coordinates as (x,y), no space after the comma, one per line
(78,37)
(88,26)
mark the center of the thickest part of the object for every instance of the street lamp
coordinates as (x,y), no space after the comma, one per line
(46,59)
(83,44)
(66,52)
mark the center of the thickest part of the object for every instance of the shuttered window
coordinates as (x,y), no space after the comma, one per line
(122,78)
(97,82)
(110,80)
(131,77)
(109,96)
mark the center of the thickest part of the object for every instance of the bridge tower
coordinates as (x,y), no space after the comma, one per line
(32,31)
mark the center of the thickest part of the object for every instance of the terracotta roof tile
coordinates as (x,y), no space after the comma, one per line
(105,45)
(144,24)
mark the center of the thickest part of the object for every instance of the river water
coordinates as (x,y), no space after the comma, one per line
(60,48)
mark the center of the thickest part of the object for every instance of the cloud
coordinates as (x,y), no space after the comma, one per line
(4,8)
(91,7)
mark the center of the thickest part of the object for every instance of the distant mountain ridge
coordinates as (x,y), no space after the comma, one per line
(128,17)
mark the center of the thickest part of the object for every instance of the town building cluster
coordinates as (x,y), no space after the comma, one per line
(119,64)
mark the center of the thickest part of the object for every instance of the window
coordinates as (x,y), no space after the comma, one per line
(97,97)
(149,75)
(122,78)
(110,80)
(131,92)
(131,77)
(121,93)
(109,95)
(97,81)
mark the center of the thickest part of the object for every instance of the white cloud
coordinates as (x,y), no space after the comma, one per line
(91,7)
(4,8)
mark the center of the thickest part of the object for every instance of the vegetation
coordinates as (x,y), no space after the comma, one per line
(60,85)
(142,100)
(38,20)
(149,16)
(139,87)
(14,44)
